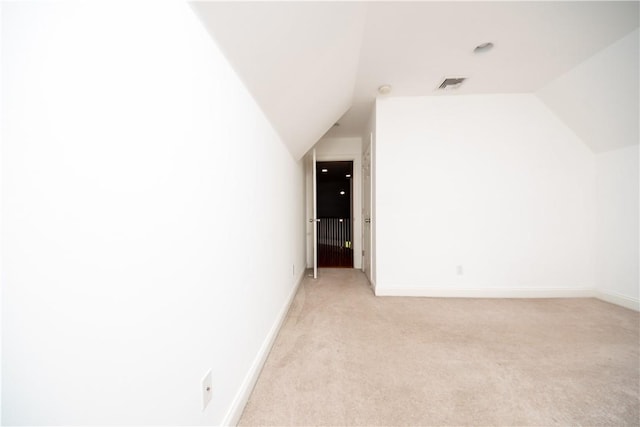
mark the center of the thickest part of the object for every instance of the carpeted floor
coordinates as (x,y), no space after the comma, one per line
(345,357)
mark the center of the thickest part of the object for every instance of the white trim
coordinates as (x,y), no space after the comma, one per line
(356,189)
(244,392)
(618,299)
(486,292)
(373,286)
(314,203)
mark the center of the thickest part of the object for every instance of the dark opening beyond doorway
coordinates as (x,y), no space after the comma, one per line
(334,201)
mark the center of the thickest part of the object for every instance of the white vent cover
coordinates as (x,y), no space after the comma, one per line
(451,83)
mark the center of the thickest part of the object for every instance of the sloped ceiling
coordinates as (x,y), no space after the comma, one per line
(310,64)
(599,99)
(299,60)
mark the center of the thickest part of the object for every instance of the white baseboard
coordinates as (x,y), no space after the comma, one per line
(371,282)
(486,292)
(608,296)
(618,299)
(242,396)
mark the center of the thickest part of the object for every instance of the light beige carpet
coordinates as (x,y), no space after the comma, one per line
(346,357)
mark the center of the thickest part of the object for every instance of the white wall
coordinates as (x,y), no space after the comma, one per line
(495,184)
(337,149)
(599,98)
(151,218)
(618,187)
(1,210)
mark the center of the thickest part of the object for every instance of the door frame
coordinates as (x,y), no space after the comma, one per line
(354,236)
(366,216)
(356,208)
(371,274)
(310,213)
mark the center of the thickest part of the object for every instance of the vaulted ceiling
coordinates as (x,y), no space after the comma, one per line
(311,64)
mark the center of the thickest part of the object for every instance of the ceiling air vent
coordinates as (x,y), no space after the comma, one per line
(451,83)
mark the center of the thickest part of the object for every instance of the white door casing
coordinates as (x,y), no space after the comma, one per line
(314,220)
(366,210)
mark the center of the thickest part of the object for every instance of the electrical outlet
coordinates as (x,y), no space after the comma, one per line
(207,390)
(459,270)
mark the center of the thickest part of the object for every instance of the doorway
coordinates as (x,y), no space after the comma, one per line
(334,198)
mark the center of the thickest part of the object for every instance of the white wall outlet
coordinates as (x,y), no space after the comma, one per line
(207,390)
(459,270)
